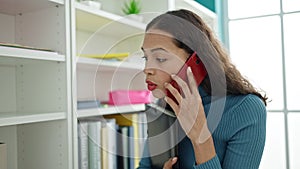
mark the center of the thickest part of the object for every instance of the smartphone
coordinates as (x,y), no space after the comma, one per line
(198,70)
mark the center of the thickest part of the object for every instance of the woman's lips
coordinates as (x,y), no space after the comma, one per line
(151,86)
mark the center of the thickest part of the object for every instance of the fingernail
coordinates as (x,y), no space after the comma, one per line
(172,75)
(165,84)
(174,159)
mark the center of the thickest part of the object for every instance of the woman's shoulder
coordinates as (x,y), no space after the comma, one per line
(248,101)
(240,112)
(249,105)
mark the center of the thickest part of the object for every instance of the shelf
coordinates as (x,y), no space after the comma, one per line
(30,54)
(15,7)
(93,20)
(208,16)
(7,119)
(106,65)
(111,110)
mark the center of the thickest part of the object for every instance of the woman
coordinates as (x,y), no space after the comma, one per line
(223,118)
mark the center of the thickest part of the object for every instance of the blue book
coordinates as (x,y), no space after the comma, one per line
(131,157)
(87,104)
(122,147)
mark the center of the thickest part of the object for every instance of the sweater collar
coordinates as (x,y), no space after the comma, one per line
(206,98)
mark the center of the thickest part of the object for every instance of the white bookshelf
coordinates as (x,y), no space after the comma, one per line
(107,30)
(39,89)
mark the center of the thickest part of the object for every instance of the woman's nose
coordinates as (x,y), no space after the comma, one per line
(148,71)
(149,67)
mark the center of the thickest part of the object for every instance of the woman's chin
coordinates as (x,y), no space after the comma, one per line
(157,93)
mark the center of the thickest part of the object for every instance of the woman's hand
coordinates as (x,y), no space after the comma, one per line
(168,164)
(189,110)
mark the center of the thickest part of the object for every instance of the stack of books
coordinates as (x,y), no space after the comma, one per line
(112,142)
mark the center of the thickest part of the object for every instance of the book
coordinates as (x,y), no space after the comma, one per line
(109,140)
(162,146)
(94,141)
(120,152)
(137,124)
(104,146)
(131,147)
(14,45)
(123,147)
(3,156)
(83,159)
(86,104)
(142,134)
(111,145)
(135,139)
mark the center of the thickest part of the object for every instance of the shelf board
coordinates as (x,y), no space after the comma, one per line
(106,65)
(61,2)
(110,110)
(30,54)
(15,7)
(6,119)
(207,15)
(94,20)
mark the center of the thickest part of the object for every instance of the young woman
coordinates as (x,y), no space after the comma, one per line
(223,118)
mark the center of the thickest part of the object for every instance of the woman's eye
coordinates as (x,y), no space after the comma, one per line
(161,59)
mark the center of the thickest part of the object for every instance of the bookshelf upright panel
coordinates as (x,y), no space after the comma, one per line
(43,145)
(34,68)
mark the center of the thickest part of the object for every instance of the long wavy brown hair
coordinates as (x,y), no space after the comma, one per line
(191,33)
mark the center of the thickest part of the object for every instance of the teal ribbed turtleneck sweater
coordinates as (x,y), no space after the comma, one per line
(239,137)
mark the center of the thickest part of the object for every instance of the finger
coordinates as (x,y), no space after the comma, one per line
(192,82)
(168,164)
(174,160)
(182,84)
(173,104)
(174,92)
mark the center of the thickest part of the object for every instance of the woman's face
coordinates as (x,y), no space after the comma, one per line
(163,58)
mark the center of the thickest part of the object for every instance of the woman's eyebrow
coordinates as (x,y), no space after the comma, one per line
(155,49)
